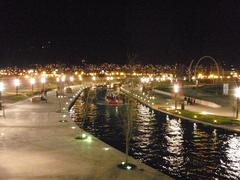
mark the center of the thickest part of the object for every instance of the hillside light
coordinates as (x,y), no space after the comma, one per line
(16,83)
(237,95)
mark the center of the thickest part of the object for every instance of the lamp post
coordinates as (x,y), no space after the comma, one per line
(16,84)
(57,79)
(1,90)
(94,78)
(63,78)
(237,95)
(71,79)
(43,81)
(1,103)
(32,82)
(176,91)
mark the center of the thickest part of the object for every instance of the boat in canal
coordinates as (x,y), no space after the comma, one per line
(114,99)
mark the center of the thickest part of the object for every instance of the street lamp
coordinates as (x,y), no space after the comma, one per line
(237,95)
(32,82)
(2,87)
(94,78)
(16,84)
(63,78)
(176,91)
(80,78)
(43,81)
(71,78)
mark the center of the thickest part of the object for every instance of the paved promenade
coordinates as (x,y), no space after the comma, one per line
(35,145)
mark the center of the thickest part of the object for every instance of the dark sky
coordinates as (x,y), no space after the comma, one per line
(159,32)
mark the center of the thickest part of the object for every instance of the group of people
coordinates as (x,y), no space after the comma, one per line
(44,95)
(59,92)
(189,100)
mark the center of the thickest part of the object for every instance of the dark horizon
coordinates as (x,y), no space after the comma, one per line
(163,32)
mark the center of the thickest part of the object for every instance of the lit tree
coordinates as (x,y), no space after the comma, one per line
(82,135)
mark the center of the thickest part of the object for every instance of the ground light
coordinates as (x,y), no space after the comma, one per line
(89,139)
(64,118)
(106,148)
(82,136)
(127,166)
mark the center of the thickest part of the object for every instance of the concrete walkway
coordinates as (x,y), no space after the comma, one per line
(35,145)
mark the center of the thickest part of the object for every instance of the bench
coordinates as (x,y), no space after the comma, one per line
(68,90)
(36,99)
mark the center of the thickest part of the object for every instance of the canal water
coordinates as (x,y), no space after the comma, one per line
(177,147)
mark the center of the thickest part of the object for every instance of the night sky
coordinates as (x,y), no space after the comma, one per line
(158,32)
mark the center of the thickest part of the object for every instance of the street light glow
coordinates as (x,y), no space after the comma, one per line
(63,78)
(16,82)
(71,78)
(176,88)
(32,81)
(43,80)
(237,92)
(2,87)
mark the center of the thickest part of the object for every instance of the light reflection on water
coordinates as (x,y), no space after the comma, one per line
(180,148)
(233,156)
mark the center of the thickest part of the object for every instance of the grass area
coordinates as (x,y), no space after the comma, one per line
(25,89)
(209,118)
(12,97)
(164,85)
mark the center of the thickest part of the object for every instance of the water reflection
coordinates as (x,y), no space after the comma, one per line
(180,148)
(174,140)
(233,156)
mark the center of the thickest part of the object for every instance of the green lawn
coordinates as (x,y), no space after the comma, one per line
(213,119)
